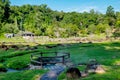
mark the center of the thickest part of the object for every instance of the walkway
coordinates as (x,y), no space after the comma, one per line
(53,73)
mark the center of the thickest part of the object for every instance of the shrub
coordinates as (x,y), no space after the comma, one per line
(17,64)
(2,68)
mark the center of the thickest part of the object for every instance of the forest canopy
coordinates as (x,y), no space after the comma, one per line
(43,21)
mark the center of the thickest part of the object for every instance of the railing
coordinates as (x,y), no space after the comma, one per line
(40,58)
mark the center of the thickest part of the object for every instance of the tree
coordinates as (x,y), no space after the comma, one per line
(71,30)
(4,10)
(91,29)
(43,21)
(1,10)
(107,31)
(110,11)
(4,13)
(116,33)
(110,16)
(118,16)
(10,28)
(100,28)
(49,31)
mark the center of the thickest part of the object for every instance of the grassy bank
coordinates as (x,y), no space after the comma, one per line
(23,75)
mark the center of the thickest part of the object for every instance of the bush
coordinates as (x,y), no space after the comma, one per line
(2,68)
(17,64)
(2,59)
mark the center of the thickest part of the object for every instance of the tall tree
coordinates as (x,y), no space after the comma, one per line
(110,11)
(6,9)
(1,10)
(110,15)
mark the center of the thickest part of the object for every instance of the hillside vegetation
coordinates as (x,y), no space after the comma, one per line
(43,21)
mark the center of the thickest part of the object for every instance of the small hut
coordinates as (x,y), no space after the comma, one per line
(28,36)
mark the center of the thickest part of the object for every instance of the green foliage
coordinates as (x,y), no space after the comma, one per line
(101,28)
(19,62)
(116,34)
(43,21)
(70,30)
(4,10)
(91,29)
(16,64)
(110,11)
(49,31)
(10,28)
(10,54)
(118,24)
(2,67)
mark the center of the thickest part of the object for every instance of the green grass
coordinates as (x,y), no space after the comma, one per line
(4,55)
(83,52)
(18,62)
(14,39)
(112,74)
(23,75)
(107,54)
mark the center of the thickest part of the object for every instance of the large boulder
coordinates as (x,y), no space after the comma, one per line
(73,73)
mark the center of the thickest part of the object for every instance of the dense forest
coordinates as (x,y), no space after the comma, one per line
(43,21)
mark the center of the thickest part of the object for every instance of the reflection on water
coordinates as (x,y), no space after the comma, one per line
(13,70)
